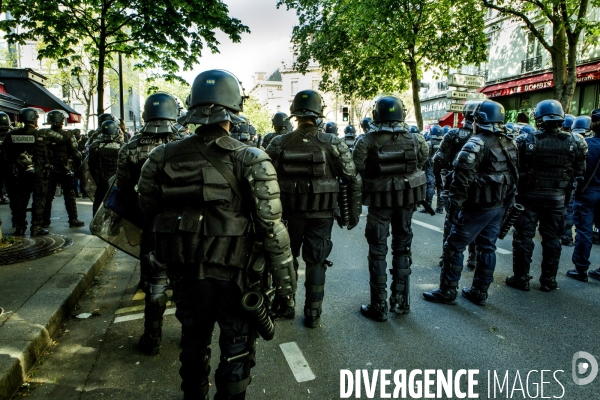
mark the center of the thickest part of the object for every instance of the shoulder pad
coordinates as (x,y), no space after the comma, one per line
(474,145)
(326,137)
(228,143)
(253,155)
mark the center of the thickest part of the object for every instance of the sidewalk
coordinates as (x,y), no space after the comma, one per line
(38,295)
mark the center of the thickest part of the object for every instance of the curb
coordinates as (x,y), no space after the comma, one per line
(28,332)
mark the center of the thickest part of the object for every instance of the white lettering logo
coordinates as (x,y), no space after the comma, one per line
(23,138)
(581,368)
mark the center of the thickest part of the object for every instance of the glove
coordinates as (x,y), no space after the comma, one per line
(338,217)
(453,215)
(353,222)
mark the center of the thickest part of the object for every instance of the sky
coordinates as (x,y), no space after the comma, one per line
(262,49)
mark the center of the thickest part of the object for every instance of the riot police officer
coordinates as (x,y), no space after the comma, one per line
(331,128)
(433,143)
(281,125)
(587,200)
(160,113)
(567,122)
(483,186)
(5,127)
(92,136)
(65,159)
(349,136)
(391,160)
(443,159)
(207,218)
(365,124)
(582,125)
(550,160)
(309,166)
(241,132)
(103,155)
(26,158)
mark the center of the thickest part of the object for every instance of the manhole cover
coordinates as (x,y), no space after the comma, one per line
(29,248)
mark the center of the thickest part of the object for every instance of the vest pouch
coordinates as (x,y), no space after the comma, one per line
(392,169)
(166,222)
(216,187)
(315,156)
(191,220)
(178,194)
(391,157)
(325,186)
(416,179)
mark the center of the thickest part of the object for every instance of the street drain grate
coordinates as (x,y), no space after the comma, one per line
(27,248)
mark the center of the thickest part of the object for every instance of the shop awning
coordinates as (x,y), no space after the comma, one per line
(448,120)
(10,104)
(585,73)
(34,94)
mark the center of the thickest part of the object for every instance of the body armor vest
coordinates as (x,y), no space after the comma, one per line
(434,145)
(108,154)
(391,175)
(27,150)
(59,153)
(459,137)
(203,222)
(349,140)
(305,176)
(549,162)
(493,177)
(140,148)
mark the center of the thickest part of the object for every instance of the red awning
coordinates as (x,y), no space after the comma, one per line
(585,73)
(448,120)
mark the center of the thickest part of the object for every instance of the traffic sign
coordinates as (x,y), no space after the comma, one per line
(469,81)
(455,107)
(458,95)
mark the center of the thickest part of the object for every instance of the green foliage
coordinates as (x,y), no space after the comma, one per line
(258,116)
(366,47)
(156,34)
(177,88)
(7,59)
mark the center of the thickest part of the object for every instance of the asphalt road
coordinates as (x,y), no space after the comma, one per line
(520,341)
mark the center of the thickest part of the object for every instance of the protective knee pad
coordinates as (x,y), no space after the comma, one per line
(235,385)
(156,300)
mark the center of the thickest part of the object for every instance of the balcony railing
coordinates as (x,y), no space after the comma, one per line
(531,64)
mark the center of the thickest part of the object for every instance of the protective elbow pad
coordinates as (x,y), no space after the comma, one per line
(277,240)
(283,274)
(467,157)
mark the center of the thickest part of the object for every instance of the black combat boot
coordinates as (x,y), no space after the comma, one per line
(576,274)
(19,231)
(520,279)
(149,344)
(566,240)
(75,223)
(312,318)
(476,294)
(446,294)
(548,282)
(595,273)
(400,272)
(283,307)
(37,230)
(376,311)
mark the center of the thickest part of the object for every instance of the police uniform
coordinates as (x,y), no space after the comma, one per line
(390,160)
(26,156)
(434,141)
(483,186)
(65,159)
(550,160)
(350,136)
(450,146)
(587,201)
(205,232)
(309,166)
(160,112)
(103,155)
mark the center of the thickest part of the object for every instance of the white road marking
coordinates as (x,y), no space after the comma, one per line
(168,311)
(87,203)
(298,364)
(441,230)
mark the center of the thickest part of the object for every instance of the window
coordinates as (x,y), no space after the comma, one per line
(534,53)
(294,87)
(131,115)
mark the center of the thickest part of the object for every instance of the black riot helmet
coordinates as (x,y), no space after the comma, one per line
(549,112)
(4,119)
(445,129)
(350,130)
(307,103)
(240,131)
(436,130)
(488,115)
(414,129)
(388,109)
(160,106)
(218,87)
(109,129)
(568,121)
(28,115)
(365,123)
(105,117)
(216,96)
(280,120)
(331,127)
(55,117)
(581,125)
(468,112)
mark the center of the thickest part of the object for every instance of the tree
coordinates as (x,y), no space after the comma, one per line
(376,46)
(258,115)
(568,19)
(156,34)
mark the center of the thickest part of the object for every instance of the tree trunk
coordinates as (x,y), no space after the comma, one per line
(562,92)
(414,80)
(569,90)
(101,62)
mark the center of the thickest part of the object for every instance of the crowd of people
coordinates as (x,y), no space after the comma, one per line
(224,214)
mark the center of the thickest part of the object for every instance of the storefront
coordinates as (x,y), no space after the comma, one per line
(521,95)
